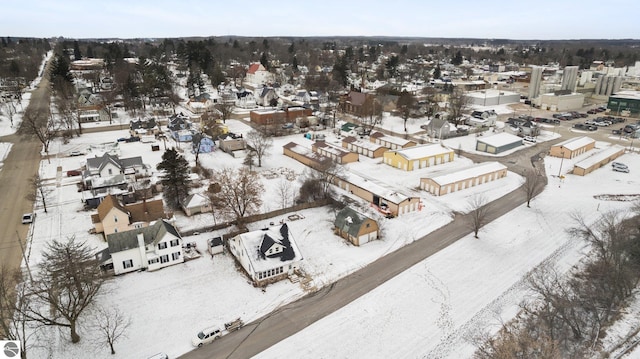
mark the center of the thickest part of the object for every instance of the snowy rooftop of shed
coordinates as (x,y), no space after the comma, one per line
(468,172)
(375,188)
(599,156)
(418,152)
(575,143)
(500,139)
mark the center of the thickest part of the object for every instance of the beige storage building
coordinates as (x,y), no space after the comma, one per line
(598,160)
(452,181)
(572,147)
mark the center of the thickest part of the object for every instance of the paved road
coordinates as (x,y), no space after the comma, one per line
(257,336)
(19,167)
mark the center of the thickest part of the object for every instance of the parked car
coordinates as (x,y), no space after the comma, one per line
(620,169)
(618,165)
(28,218)
(75,153)
(530,139)
(159,356)
(593,111)
(72,173)
(206,336)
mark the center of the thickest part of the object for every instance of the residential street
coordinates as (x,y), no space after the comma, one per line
(19,167)
(288,320)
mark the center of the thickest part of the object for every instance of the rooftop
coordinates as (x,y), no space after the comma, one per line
(418,152)
(500,139)
(468,172)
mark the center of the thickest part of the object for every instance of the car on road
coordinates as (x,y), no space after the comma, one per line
(621,169)
(530,139)
(206,336)
(28,218)
(75,153)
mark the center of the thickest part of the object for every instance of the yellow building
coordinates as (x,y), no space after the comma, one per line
(478,174)
(572,147)
(417,157)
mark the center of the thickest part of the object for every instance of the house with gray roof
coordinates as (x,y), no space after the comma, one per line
(149,248)
(355,227)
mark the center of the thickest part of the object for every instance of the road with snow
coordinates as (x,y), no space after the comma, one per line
(289,319)
(19,167)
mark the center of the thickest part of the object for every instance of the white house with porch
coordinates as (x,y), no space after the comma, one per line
(267,255)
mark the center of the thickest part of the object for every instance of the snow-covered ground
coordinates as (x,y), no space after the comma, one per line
(428,311)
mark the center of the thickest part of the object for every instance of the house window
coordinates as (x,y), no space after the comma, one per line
(110,171)
(137,225)
(115,230)
(164,258)
(153,261)
(127,264)
(175,256)
(115,219)
(174,242)
(162,245)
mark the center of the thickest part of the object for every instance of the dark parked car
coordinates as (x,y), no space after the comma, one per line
(72,173)
(593,111)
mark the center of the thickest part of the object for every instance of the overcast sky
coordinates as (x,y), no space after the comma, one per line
(541,19)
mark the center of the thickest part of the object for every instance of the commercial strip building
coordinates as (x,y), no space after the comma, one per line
(480,173)
(598,160)
(572,147)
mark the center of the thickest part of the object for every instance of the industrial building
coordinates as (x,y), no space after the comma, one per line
(498,143)
(572,147)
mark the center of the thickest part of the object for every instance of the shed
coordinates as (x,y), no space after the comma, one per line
(215,245)
(355,227)
(498,143)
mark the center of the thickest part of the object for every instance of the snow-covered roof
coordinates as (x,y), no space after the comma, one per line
(599,156)
(252,242)
(391,139)
(468,172)
(500,139)
(418,152)
(388,194)
(195,200)
(575,143)
(334,150)
(368,145)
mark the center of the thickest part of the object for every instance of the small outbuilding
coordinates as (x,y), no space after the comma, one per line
(355,227)
(498,143)
(337,154)
(365,148)
(196,203)
(391,142)
(215,245)
(572,147)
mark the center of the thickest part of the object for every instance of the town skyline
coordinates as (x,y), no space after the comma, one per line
(548,20)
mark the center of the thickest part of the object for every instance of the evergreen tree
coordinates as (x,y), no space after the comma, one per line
(436,72)
(264,60)
(90,51)
(175,180)
(295,63)
(60,75)
(76,51)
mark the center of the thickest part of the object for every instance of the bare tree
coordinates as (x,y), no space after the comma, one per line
(285,192)
(478,213)
(240,192)
(405,104)
(13,301)
(533,184)
(371,114)
(9,109)
(39,191)
(36,122)
(249,160)
(458,104)
(260,143)
(225,108)
(67,110)
(69,281)
(111,325)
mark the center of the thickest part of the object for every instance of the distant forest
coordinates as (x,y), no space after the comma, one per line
(20,57)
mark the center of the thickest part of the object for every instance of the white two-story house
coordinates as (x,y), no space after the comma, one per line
(149,248)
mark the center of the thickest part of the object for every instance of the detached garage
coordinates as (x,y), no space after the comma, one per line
(498,143)
(355,227)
